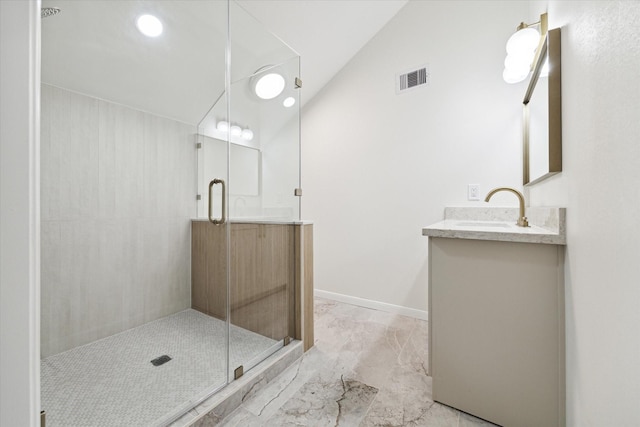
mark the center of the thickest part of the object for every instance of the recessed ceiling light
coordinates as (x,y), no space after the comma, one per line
(269,86)
(149,25)
(288,102)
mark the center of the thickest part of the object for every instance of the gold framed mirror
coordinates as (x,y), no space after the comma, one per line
(542,114)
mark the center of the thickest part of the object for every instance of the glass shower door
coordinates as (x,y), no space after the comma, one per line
(248,173)
(264,169)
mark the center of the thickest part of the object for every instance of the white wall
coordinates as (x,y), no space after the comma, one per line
(19,213)
(281,171)
(377,167)
(355,135)
(600,186)
(118,192)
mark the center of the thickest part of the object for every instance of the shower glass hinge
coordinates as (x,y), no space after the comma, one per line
(199,145)
(238,372)
(298,83)
(198,197)
(297,192)
(287,341)
(42,418)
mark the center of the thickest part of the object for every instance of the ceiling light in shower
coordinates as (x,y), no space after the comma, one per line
(270,85)
(289,102)
(149,25)
(247,134)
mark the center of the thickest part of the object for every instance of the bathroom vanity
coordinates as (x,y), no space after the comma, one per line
(496,314)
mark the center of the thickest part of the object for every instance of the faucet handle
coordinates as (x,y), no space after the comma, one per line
(523,222)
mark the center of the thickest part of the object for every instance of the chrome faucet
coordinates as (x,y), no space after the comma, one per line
(522,220)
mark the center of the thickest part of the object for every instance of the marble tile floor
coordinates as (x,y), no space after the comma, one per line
(367,368)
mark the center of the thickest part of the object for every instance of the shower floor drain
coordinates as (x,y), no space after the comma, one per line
(160,360)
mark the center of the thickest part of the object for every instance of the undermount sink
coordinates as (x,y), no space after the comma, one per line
(484,224)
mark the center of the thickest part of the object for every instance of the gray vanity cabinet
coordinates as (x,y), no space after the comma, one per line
(496,319)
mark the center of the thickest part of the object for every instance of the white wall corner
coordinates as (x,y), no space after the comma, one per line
(20,213)
(376,305)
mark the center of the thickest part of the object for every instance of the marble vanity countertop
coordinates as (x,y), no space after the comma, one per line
(547,225)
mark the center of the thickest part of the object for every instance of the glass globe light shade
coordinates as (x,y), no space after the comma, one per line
(525,40)
(518,64)
(512,77)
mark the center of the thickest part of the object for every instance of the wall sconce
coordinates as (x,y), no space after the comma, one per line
(523,48)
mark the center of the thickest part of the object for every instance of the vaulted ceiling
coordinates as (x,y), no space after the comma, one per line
(94,48)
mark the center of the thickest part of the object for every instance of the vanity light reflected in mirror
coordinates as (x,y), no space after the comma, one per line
(247,134)
(235,130)
(223,126)
(542,114)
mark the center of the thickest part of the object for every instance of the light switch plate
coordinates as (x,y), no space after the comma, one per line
(473,192)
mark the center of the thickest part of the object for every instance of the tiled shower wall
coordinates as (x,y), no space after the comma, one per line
(118,193)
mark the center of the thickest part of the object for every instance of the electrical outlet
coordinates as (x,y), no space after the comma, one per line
(473,192)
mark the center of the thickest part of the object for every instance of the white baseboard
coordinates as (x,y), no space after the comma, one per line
(376,305)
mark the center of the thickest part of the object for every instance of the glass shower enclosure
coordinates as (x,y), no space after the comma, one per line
(248,173)
(169,199)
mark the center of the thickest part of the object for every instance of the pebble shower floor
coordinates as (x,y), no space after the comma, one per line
(112,382)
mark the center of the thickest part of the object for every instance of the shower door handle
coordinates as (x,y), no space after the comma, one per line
(223,218)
